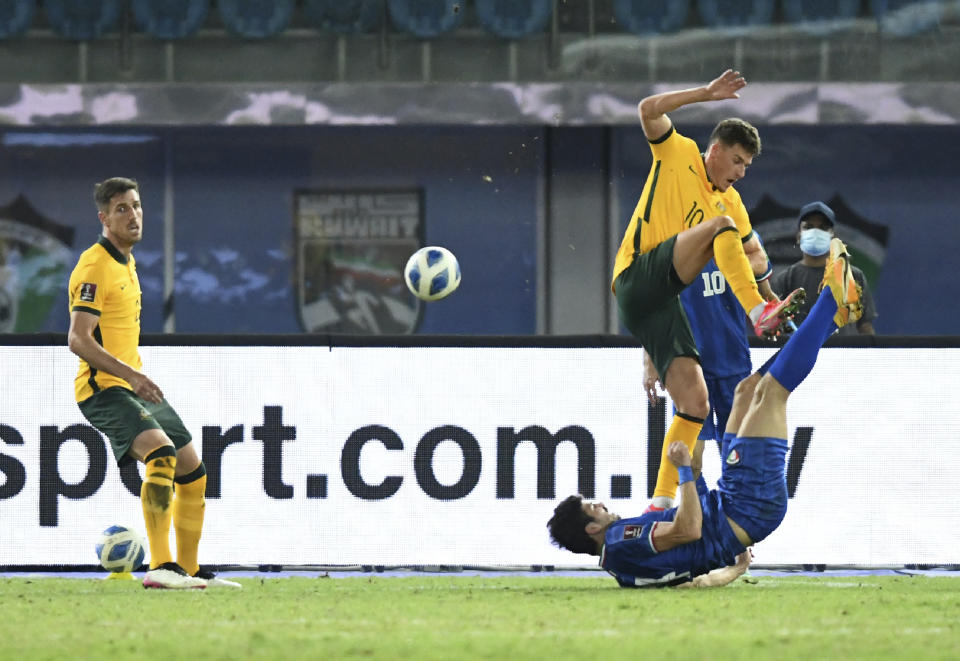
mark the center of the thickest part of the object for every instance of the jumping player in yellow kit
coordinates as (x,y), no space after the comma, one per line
(688,214)
(117,398)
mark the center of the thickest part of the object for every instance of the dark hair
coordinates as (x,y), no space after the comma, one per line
(568,527)
(105,190)
(736,131)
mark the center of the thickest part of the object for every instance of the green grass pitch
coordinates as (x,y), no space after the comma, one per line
(461,617)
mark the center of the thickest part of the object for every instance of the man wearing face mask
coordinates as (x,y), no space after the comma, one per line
(815,225)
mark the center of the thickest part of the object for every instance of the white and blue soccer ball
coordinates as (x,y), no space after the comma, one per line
(120,549)
(432,273)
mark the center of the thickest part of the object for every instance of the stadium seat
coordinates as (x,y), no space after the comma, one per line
(907,17)
(16,17)
(171,19)
(426,18)
(821,16)
(646,17)
(513,19)
(82,19)
(256,19)
(736,13)
(344,16)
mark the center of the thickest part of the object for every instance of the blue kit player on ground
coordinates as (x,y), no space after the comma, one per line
(704,541)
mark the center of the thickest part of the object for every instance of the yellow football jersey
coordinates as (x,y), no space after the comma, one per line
(676,196)
(104,282)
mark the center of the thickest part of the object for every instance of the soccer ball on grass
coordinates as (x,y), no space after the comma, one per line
(432,273)
(120,549)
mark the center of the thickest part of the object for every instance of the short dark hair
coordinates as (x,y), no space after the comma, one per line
(105,190)
(568,527)
(736,131)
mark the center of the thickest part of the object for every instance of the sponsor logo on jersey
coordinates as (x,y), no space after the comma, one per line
(351,248)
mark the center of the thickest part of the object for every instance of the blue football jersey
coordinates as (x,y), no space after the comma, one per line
(630,555)
(718,323)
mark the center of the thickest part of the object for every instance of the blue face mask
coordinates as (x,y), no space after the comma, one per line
(815,242)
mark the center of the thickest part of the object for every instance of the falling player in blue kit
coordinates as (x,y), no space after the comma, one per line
(704,541)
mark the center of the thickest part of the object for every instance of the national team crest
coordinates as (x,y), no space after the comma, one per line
(733,458)
(777,226)
(351,248)
(35,259)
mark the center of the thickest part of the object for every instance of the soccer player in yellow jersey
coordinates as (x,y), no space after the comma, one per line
(117,398)
(689,213)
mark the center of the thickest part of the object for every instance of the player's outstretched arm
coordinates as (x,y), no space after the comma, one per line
(687,523)
(653,109)
(723,576)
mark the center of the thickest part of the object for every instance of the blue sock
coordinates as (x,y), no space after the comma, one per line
(797,357)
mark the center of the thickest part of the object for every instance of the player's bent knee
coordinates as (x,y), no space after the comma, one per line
(747,386)
(188,459)
(148,441)
(698,409)
(689,394)
(769,391)
(693,406)
(722,223)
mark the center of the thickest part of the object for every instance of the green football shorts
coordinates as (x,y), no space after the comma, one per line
(648,299)
(119,414)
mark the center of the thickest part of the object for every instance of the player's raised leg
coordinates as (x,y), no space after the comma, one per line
(718,238)
(838,304)
(838,277)
(742,398)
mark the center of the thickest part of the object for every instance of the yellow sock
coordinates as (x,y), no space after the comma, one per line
(733,263)
(188,508)
(685,429)
(156,497)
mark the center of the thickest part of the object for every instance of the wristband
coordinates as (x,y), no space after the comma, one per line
(684,474)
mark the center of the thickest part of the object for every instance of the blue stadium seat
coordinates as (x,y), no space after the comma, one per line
(646,17)
(82,19)
(256,19)
(344,16)
(736,13)
(171,19)
(16,17)
(426,18)
(907,17)
(513,19)
(821,16)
